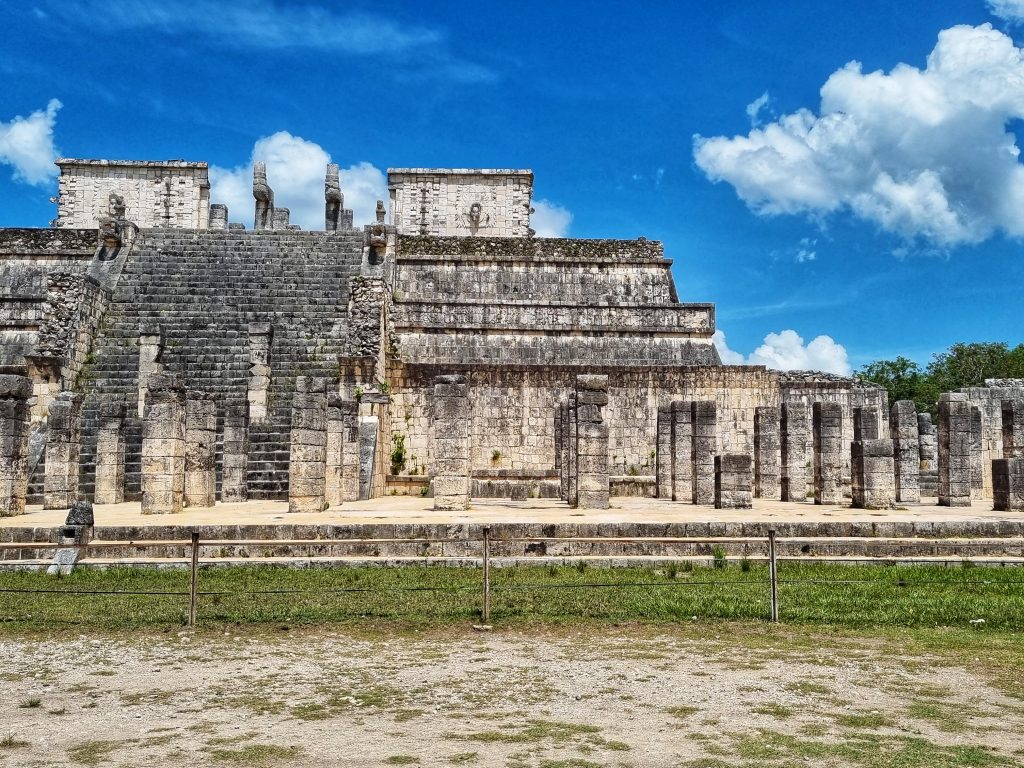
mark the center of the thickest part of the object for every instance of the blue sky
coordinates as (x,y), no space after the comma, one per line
(880,211)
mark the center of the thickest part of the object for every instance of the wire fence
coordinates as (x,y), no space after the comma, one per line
(487,587)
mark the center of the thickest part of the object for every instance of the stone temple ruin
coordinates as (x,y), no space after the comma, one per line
(153,350)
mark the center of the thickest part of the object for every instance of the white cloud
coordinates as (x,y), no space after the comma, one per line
(26,144)
(805,252)
(550,219)
(754,109)
(786,351)
(1008,10)
(295,171)
(919,152)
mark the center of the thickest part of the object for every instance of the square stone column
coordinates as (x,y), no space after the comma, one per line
(663,459)
(705,446)
(593,489)
(335,470)
(350,451)
(796,429)
(163,446)
(452,450)
(954,450)
(1012,413)
(977,461)
(110,453)
(827,426)
(865,423)
(907,450)
(200,449)
(563,449)
(235,454)
(682,450)
(15,392)
(1008,484)
(307,459)
(734,481)
(63,446)
(572,452)
(928,445)
(874,474)
(767,454)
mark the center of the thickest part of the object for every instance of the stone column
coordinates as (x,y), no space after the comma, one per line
(796,427)
(907,451)
(451,417)
(63,445)
(200,449)
(705,446)
(563,449)
(954,450)
(928,445)
(734,481)
(663,467)
(15,392)
(335,471)
(873,473)
(767,470)
(163,446)
(235,455)
(977,458)
(350,451)
(682,450)
(828,453)
(1008,484)
(593,489)
(865,423)
(218,216)
(307,460)
(110,454)
(1012,412)
(573,452)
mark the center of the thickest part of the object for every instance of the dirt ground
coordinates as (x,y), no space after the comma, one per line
(713,695)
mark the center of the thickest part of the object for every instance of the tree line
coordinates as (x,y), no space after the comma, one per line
(962,365)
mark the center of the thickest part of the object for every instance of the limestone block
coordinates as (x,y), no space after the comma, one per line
(450,425)
(235,456)
(15,392)
(163,446)
(200,449)
(767,453)
(110,447)
(977,460)
(1008,484)
(796,427)
(705,446)
(63,445)
(873,474)
(335,447)
(903,426)
(734,481)
(1012,417)
(593,489)
(827,425)
(307,459)
(865,423)
(954,432)
(663,457)
(682,450)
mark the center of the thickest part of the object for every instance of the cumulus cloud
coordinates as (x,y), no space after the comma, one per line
(1008,10)
(295,171)
(920,152)
(550,219)
(26,144)
(786,351)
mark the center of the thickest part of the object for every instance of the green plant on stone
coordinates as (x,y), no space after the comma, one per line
(745,564)
(424,490)
(397,454)
(495,456)
(384,387)
(718,555)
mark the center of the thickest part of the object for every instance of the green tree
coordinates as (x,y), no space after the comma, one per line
(903,379)
(968,365)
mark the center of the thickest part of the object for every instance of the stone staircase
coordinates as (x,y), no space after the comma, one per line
(995,543)
(199,290)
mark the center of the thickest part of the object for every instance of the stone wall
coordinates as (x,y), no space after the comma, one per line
(988,400)
(461,201)
(173,193)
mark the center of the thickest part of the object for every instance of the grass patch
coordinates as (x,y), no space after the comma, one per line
(534,731)
(10,742)
(256,754)
(864,720)
(401,760)
(945,717)
(464,758)
(777,711)
(34,703)
(682,712)
(846,595)
(92,752)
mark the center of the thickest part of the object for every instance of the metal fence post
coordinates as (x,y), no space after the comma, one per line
(486,614)
(773,573)
(194,579)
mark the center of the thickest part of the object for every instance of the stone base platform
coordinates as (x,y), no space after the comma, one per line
(405,530)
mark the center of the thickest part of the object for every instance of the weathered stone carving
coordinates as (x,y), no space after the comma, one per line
(307,463)
(663,456)
(200,449)
(218,216)
(828,453)
(264,197)
(954,450)
(592,441)
(110,454)
(15,392)
(1008,484)
(381,212)
(234,485)
(333,198)
(907,452)
(767,456)
(795,432)
(705,446)
(873,474)
(163,446)
(682,450)
(450,422)
(734,481)
(63,445)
